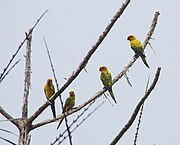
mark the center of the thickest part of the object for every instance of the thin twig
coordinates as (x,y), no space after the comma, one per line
(14,55)
(140,114)
(136,110)
(8,132)
(127,79)
(74,121)
(7,140)
(9,70)
(138,125)
(53,70)
(84,119)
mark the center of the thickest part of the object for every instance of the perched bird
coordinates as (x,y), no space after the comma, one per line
(137,47)
(107,80)
(49,91)
(69,104)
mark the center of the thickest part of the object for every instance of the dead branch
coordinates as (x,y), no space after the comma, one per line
(14,55)
(9,117)
(27,82)
(136,110)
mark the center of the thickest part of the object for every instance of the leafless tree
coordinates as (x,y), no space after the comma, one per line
(25,122)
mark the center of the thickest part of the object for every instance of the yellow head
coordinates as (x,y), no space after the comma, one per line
(103,69)
(71,94)
(49,81)
(131,38)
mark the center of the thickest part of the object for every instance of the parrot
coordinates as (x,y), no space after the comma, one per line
(137,48)
(49,92)
(69,104)
(107,80)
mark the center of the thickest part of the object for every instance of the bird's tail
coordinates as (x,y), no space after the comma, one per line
(112,95)
(60,122)
(144,60)
(53,109)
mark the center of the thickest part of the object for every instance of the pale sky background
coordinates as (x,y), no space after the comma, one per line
(71,28)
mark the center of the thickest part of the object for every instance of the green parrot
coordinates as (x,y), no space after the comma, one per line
(69,104)
(107,80)
(137,48)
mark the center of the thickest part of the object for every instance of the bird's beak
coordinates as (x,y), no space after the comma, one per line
(100,69)
(127,38)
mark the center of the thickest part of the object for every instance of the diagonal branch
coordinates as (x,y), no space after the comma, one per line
(9,70)
(9,117)
(79,124)
(14,55)
(136,110)
(85,60)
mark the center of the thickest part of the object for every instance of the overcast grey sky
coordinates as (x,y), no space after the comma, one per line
(70,28)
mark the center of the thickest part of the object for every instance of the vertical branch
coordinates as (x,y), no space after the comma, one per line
(66,121)
(24,129)
(27,82)
(140,115)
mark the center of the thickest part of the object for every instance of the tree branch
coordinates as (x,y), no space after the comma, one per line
(9,70)
(85,60)
(27,82)
(9,117)
(136,110)
(14,55)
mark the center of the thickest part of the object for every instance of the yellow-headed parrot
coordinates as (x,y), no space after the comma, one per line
(137,47)
(69,104)
(49,92)
(107,80)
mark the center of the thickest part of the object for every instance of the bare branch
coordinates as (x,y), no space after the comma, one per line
(152,28)
(127,79)
(136,110)
(53,70)
(85,60)
(9,70)
(138,125)
(84,119)
(9,117)
(7,131)
(27,82)
(14,55)
(7,140)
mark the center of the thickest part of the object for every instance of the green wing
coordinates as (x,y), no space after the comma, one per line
(67,103)
(137,47)
(139,50)
(106,80)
